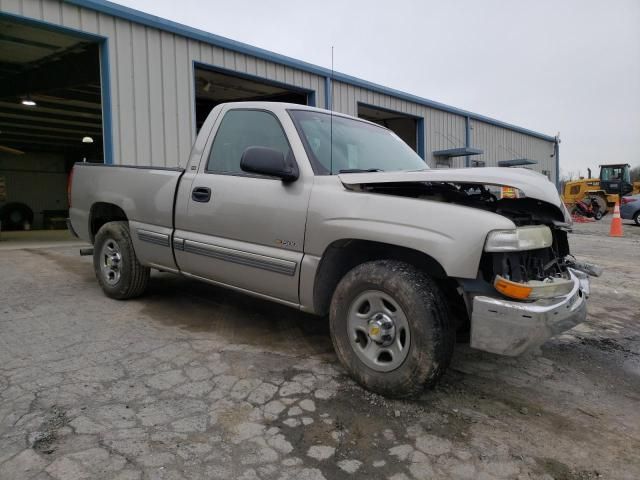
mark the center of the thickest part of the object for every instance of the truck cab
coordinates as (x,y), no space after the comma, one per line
(616,178)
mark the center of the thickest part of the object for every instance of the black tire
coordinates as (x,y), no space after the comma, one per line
(133,277)
(602,206)
(432,338)
(15,216)
(636,217)
(598,215)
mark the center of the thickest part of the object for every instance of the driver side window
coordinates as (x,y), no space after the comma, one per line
(239,130)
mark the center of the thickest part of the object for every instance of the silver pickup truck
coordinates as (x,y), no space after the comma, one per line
(336,216)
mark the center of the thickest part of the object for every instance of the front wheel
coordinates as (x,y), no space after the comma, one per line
(117,269)
(636,217)
(390,328)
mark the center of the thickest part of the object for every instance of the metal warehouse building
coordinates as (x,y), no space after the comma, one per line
(88,79)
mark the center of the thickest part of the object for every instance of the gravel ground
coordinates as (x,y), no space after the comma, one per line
(197,382)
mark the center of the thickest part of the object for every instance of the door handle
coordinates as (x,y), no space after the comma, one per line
(201,194)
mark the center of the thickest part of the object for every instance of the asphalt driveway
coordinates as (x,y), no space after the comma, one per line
(197,382)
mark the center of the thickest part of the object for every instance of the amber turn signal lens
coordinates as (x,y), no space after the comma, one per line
(512,289)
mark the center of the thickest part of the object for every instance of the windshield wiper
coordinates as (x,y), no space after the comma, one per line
(360,170)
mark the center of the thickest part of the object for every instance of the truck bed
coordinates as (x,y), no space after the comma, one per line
(146,194)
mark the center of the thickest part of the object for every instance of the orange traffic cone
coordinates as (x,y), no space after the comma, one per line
(616,222)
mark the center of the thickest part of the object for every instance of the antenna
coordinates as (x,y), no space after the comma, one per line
(331,117)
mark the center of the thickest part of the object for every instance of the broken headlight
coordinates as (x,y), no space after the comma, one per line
(518,239)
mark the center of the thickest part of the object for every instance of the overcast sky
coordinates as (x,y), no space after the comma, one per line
(568,66)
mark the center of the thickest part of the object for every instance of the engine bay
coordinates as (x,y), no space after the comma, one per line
(521,266)
(529,265)
(522,211)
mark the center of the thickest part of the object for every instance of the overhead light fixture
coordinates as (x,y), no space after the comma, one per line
(28,101)
(87,140)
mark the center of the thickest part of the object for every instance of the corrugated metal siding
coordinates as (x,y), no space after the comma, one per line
(501,144)
(152,93)
(444,130)
(152,85)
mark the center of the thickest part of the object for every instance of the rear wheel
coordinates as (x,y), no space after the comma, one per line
(390,328)
(117,269)
(636,217)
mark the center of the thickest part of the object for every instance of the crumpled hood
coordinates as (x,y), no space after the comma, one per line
(532,184)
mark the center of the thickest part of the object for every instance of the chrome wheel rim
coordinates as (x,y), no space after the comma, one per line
(111,261)
(378,331)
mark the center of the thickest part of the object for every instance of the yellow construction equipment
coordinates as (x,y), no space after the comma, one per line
(614,181)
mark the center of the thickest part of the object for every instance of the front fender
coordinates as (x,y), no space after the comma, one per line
(453,235)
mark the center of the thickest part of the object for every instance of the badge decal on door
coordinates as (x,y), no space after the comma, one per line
(286,243)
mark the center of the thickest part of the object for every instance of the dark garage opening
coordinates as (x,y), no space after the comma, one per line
(405,126)
(50,118)
(214,87)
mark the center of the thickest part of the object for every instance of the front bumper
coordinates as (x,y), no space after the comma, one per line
(510,328)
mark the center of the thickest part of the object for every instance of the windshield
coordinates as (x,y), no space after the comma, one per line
(619,172)
(357,146)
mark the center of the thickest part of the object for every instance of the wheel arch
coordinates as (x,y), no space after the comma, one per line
(342,255)
(101,213)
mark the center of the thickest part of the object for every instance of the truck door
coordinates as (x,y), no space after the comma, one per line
(240,229)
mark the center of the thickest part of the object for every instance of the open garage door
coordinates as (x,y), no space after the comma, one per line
(405,126)
(215,86)
(50,118)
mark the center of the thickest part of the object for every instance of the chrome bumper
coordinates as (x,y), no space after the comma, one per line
(510,328)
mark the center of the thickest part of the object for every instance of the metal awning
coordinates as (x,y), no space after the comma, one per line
(458,152)
(516,162)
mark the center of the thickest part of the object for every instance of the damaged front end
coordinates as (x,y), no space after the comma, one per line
(528,287)
(529,269)
(528,262)
(522,298)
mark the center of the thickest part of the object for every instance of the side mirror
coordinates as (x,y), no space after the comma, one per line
(268,161)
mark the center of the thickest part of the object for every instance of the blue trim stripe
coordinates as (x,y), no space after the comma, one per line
(311,98)
(327,93)
(107,123)
(153,21)
(467,139)
(420,140)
